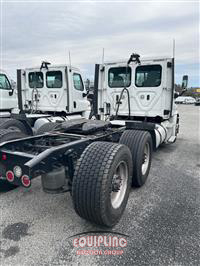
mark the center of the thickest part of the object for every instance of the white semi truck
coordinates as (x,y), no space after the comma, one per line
(45,93)
(140,91)
(99,160)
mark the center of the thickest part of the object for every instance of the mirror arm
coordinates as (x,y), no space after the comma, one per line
(176,95)
(85,94)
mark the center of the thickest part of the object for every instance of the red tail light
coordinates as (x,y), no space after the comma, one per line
(4,157)
(26,182)
(10,176)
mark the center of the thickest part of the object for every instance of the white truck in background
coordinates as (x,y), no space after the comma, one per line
(8,95)
(45,94)
(185,100)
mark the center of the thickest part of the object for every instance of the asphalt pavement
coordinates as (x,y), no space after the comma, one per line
(161,221)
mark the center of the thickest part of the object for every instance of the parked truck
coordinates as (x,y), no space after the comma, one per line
(45,93)
(8,96)
(99,160)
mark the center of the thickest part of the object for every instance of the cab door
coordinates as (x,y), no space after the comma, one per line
(116,77)
(79,102)
(55,92)
(148,88)
(8,98)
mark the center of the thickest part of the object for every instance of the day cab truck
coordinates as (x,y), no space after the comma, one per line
(46,93)
(99,160)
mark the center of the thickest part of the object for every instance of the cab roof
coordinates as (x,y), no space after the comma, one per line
(50,67)
(142,59)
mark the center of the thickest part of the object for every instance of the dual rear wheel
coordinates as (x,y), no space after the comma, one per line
(105,173)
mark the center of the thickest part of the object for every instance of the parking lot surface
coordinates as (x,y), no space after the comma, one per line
(161,220)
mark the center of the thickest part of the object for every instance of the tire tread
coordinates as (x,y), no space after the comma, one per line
(89,181)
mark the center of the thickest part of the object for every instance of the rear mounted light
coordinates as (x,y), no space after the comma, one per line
(17,170)
(26,182)
(10,176)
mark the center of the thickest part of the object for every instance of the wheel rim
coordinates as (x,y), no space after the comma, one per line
(119,184)
(146,158)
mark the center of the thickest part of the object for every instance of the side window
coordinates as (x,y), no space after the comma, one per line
(78,83)
(4,83)
(54,79)
(35,80)
(119,77)
(148,76)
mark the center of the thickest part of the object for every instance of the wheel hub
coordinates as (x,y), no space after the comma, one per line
(119,184)
(146,159)
(116,183)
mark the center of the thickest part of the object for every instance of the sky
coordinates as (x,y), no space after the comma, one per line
(33,31)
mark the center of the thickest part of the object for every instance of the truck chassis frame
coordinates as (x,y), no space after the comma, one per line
(44,153)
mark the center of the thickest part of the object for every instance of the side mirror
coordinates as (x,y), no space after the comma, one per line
(13,87)
(185,82)
(84,94)
(11,91)
(176,94)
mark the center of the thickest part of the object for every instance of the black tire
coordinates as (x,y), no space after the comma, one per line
(93,186)
(6,123)
(177,126)
(6,135)
(47,127)
(136,141)
(9,134)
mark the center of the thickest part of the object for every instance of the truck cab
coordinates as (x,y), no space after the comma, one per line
(53,89)
(148,94)
(47,93)
(8,96)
